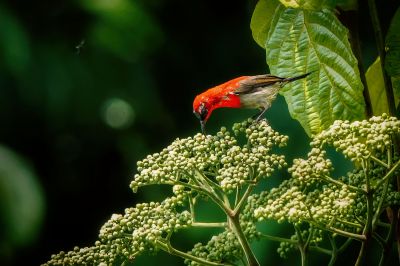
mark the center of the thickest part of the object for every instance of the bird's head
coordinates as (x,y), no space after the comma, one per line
(202,110)
(219,96)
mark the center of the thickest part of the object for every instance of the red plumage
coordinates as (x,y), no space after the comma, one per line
(256,92)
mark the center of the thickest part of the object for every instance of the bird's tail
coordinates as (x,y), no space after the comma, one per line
(287,80)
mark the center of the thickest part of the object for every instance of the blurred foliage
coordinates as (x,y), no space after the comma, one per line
(87,88)
(21,204)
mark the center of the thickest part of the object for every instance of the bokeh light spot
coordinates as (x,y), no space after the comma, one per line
(118,113)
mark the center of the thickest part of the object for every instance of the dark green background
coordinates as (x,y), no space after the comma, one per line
(61,161)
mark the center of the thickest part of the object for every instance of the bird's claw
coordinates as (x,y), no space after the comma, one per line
(259,120)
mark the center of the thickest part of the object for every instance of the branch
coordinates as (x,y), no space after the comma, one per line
(243,199)
(388,175)
(200,224)
(279,239)
(168,248)
(237,230)
(338,183)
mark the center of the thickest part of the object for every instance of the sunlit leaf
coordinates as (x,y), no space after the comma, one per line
(376,88)
(303,41)
(309,4)
(291,3)
(261,20)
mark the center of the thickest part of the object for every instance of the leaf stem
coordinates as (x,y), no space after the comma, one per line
(171,250)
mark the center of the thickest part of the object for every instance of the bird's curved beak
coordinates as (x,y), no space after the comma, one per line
(203,126)
(202,122)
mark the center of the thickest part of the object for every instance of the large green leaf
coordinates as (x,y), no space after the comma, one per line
(261,20)
(301,41)
(392,62)
(376,88)
(313,4)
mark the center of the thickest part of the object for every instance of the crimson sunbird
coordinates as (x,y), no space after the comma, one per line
(254,92)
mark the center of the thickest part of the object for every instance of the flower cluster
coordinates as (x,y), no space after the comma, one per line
(213,166)
(360,139)
(220,158)
(125,236)
(312,195)
(223,247)
(184,165)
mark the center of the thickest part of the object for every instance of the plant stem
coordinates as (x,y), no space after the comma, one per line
(345,245)
(279,239)
(209,191)
(327,227)
(303,246)
(338,183)
(237,230)
(379,161)
(243,199)
(321,250)
(361,255)
(391,235)
(334,250)
(168,248)
(381,51)
(367,231)
(233,216)
(388,174)
(200,224)
(340,232)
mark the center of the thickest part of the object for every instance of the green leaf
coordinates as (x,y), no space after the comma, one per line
(291,3)
(301,41)
(347,5)
(261,20)
(310,4)
(392,60)
(376,88)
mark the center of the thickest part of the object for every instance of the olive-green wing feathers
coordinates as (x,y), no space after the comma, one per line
(255,82)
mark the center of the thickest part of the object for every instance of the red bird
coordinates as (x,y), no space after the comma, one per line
(255,92)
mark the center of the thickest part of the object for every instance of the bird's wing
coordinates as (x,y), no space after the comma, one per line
(254,82)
